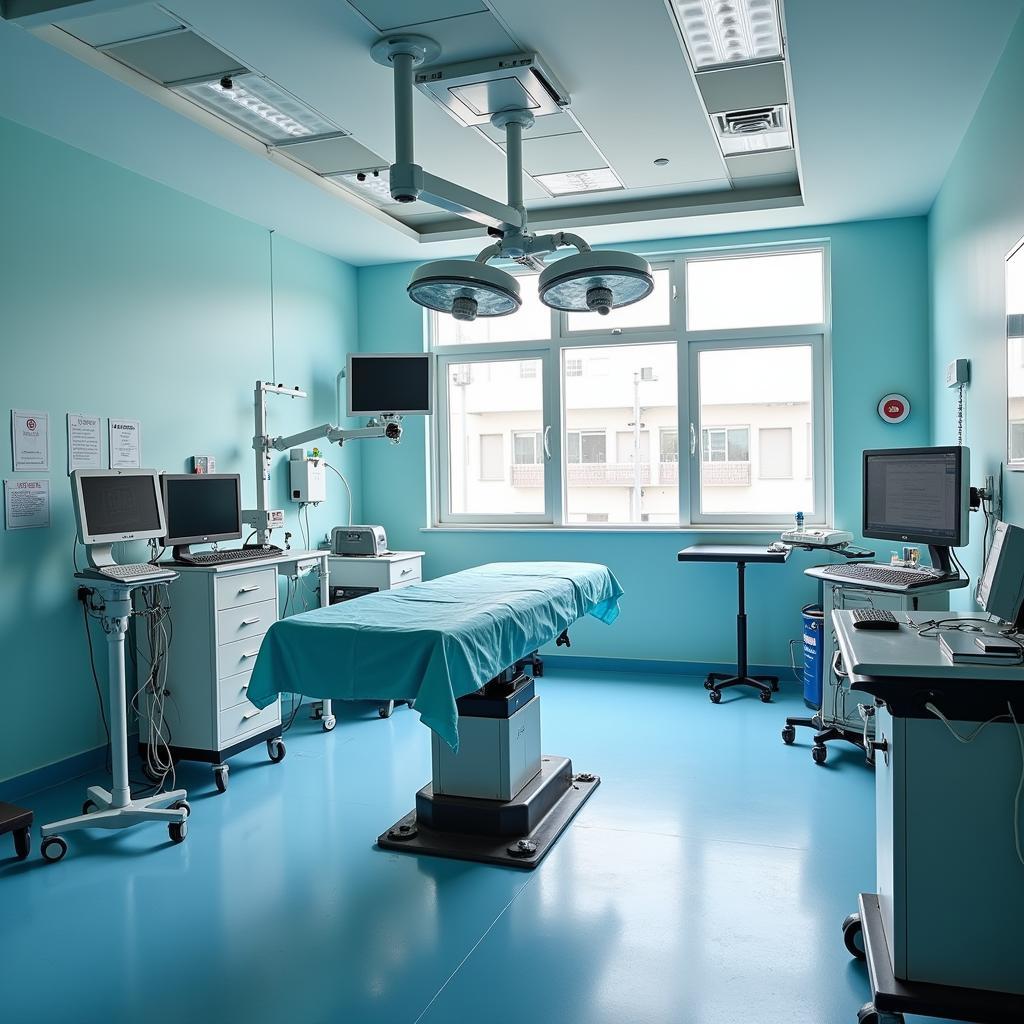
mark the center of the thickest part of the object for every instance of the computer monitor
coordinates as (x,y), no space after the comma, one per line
(113,505)
(1001,588)
(202,507)
(395,383)
(919,496)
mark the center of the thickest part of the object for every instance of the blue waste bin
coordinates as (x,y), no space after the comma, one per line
(814,621)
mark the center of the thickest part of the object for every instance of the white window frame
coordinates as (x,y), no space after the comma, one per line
(724,428)
(552,352)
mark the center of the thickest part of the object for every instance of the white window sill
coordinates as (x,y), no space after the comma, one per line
(731,529)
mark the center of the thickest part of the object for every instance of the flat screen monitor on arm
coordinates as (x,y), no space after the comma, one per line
(114,505)
(390,384)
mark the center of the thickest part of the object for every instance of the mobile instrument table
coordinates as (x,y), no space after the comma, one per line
(741,554)
(941,936)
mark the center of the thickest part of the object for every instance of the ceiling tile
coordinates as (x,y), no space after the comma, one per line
(757,85)
(335,156)
(561,153)
(116,26)
(175,58)
(385,15)
(549,124)
(751,165)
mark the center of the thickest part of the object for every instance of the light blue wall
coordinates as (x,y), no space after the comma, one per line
(977,218)
(120,297)
(671,611)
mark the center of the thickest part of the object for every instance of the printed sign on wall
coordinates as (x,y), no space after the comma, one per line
(125,444)
(30,439)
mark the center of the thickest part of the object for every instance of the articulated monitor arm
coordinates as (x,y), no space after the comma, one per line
(388,427)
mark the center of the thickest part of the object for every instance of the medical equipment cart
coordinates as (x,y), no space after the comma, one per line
(839,717)
(941,935)
(221,614)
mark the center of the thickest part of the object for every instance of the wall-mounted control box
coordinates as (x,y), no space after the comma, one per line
(958,372)
(308,477)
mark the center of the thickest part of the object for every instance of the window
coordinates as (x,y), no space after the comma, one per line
(775,453)
(585,446)
(704,404)
(492,457)
(725,444)
(755,291)
(1017,440)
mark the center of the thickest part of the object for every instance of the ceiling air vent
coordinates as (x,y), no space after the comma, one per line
(753,130)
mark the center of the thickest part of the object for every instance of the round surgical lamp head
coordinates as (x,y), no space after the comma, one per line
(465,288)
(596,282)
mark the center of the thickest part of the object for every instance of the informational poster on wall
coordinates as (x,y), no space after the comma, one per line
(125,444)
(30,439)
(26,504)
(85,448)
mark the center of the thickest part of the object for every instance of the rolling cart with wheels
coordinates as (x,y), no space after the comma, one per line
(740,554)
(17,821)
(218,756)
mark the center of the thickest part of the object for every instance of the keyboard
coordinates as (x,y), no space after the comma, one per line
(881,574)
(131,573)
(228,556)
(874,618)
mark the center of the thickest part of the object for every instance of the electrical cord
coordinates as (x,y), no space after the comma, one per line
(96,682)
(348,490)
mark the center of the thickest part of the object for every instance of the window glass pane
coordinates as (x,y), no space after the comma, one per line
(494,409)
(772,290)
(532,322)
(609,475)
(668,446)
(654,311)
(747,466)
(1017,440)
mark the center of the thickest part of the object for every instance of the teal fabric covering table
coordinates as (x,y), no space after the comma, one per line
(431,642)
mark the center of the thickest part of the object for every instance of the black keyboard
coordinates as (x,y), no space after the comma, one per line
(881,574)
(228,556)
(874,618)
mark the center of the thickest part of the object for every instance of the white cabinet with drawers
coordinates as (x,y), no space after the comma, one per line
(220,615)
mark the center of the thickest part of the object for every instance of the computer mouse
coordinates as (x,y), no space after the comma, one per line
(777,545)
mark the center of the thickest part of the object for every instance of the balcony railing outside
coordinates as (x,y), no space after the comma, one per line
(725,474)
(586,474)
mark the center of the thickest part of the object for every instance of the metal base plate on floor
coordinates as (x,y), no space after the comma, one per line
(919,997)
(525,851)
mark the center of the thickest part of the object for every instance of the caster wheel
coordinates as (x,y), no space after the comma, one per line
(53,849)
(853,936)
(716,697)
(384,711)
(177,831)
(276,749)
(788,734)
(766,696)
(819,754)
(330,723)
(707,684)
(220,778)
(318,713)
(775,686)
(867,1014)
(23,843)
(89,806)
(182,805)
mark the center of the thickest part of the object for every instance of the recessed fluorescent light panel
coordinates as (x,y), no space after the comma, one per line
(259,107)
(374,184)
(753,131)
(567,183)
(724,32)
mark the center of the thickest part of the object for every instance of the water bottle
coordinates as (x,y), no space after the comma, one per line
(799,519)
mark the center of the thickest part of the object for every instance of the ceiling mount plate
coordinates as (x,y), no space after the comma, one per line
(423,48)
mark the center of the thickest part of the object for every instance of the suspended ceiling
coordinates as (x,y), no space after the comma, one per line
(861,76)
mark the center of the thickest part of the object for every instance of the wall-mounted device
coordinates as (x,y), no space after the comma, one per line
(399,384)
(204,464)
(359,540)
(817,538)
(308,477)
(958,372)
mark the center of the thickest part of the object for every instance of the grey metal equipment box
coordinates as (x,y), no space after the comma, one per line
(497,756)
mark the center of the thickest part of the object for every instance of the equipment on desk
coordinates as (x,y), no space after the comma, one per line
(200,509)
(308,477)
(1001,589)
(817,538)
(435,643)
(359,540)
(397,384)
(919,495)
(874,618)
(777,546)
(228,556)
(962,648)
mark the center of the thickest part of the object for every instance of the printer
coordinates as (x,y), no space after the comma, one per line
(359,540)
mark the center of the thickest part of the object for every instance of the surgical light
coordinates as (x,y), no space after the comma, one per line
(596,282)
(723,32)
(465,288)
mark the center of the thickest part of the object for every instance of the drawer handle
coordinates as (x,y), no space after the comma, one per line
(250,622)
(251,714)
(249,590)
(249,654)
(244,687)
(406,572)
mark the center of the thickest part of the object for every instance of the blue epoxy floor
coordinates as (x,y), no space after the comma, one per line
(704,883)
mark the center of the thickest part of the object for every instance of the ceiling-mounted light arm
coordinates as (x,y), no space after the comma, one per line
(408,180)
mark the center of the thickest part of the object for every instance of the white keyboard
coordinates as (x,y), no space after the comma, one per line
(130,573)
